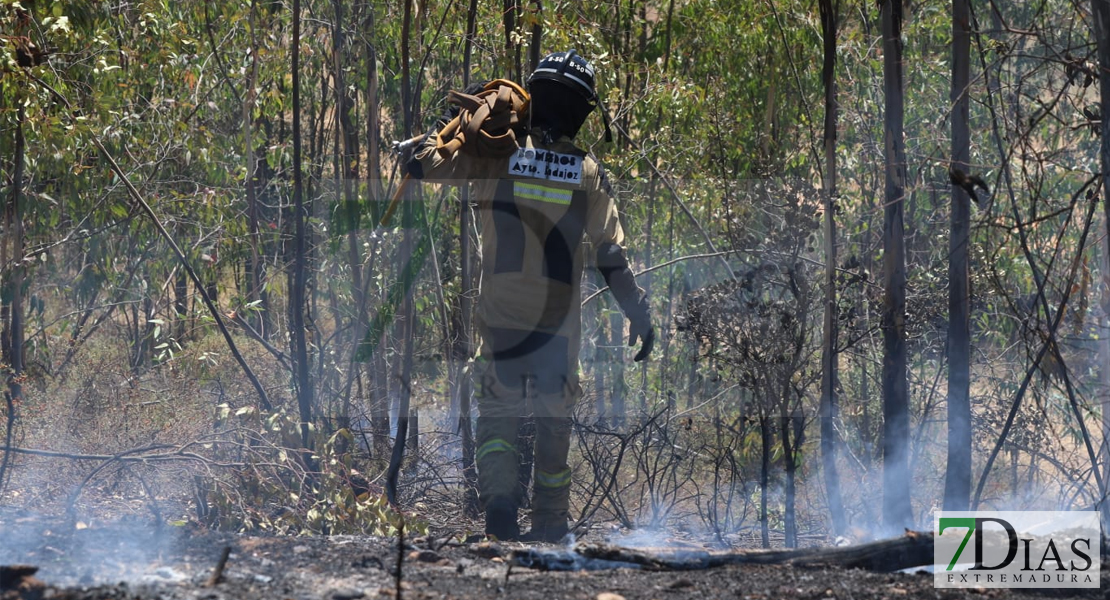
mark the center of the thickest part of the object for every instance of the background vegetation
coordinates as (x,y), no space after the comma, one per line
(191,259)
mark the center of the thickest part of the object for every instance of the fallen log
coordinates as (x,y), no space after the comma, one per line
(914,549)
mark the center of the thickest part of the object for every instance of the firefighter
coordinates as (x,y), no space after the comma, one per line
(536,206)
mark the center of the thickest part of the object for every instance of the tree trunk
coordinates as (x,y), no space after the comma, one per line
(13,326)
(535,46)
(511,10)
(406,255)
(765,437)
(790,525)
(348,173)
(298,296)
(379,372)
(897,512)
(1103,395)
(599,360)
(373,118)
(957,481)
(1101,10)
(615,366)
(466,306)
(830,400)
(255,267)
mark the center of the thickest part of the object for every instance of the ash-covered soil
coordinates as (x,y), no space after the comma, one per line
(131,561)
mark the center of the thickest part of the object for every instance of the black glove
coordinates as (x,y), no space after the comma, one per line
(639,328)
(614,268)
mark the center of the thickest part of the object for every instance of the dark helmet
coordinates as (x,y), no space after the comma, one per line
(563,94)
(569,69)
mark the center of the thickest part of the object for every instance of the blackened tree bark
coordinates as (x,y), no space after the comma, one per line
(466,431)
(379,388)
(12,355)
(509,15)
(11,288)
(766,439)
(1101,11)
(297,296)
(406,254)
(256,266)
(897,512)
(957,480)
(535,47)
(348,173)
(791,435)
(830,401)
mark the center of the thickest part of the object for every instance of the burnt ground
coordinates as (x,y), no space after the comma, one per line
(132,561)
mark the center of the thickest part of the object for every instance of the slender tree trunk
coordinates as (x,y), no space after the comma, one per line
(407,325)
(511,9)
(13,332)
(256,275)
(379,372)
(1103,395)
(1101,10)
(348,172)
(830,400)
(766,439)
(897,511)
(373,128)
(615,366)
(535,46)
(298,296)
(957,481)
(790,524)
(470,472)
(599,361)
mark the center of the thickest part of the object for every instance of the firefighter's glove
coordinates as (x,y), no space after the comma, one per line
(640,329)
(399,147)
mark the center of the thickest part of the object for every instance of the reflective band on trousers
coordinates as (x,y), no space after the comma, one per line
(552,480)
(491,446)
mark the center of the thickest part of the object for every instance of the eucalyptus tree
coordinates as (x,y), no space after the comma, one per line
(830,357)
(897,512)
(957,488)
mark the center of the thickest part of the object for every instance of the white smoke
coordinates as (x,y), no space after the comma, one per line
(73,552)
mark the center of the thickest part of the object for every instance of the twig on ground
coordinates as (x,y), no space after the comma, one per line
(400,554)
(218,572)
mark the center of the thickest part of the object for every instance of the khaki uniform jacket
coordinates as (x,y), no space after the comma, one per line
(536,208)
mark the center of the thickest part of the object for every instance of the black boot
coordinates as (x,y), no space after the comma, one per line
(552,533)
(501,519)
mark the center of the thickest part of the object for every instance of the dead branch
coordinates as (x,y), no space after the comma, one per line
(914,549)
(218,572)
(133,455)
(254,335)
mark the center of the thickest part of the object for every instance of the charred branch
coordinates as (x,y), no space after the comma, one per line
(914,549)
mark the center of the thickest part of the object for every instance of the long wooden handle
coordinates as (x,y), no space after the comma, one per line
(392,208)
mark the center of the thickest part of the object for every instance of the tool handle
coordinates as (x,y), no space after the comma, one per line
(392,208)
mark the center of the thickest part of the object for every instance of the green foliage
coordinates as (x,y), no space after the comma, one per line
(278,488)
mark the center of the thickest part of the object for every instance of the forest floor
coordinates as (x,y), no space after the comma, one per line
(128,560)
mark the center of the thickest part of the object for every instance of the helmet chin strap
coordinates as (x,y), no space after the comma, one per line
(570,54)
(605,120)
